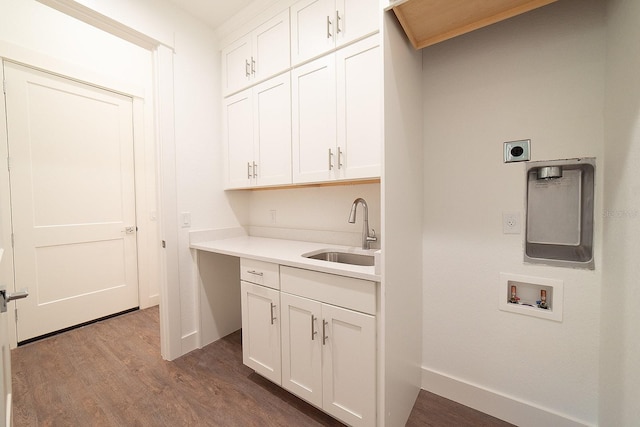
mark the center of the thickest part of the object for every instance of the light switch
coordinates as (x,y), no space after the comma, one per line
(185,219)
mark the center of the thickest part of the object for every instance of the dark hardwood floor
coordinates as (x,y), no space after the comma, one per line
(111,374)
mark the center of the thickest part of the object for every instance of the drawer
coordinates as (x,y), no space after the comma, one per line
(347,292)
(260,272)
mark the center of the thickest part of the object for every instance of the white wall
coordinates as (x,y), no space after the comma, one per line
(314,214)
(619,343)
(537,76)
(34,26)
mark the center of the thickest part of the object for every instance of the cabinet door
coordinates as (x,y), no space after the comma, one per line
(314,120)
(236,68)
(359,109)
(238,139)
(356,19)
(312,32)
(271,47)
(349,366)
(261,330)
(301,347)
(272,131)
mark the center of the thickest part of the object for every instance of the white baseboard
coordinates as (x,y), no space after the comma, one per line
(510,409)
(189,342)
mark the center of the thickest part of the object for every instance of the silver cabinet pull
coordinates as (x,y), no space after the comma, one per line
(248,170)
(329,27)
(273,318)
(255,167)
(324,332)
(338,22)
(340,157)
(247,68)
(253,66)
(313,328)
(330,159)
(257,273)
(5,297)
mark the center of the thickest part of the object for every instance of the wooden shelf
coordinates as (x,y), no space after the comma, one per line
(428,22)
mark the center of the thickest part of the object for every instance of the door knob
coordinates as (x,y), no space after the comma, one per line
(6,297)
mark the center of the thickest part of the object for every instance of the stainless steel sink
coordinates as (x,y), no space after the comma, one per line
(342,257)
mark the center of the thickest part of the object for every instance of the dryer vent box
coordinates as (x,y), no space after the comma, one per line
(559,213)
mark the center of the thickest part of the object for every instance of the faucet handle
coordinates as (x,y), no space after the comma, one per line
(373,237)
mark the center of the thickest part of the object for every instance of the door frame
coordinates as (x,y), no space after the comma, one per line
(144,177)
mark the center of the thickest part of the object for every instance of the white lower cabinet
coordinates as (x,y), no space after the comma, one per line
(261,330)
(328,358)
(314,334)
(328,333)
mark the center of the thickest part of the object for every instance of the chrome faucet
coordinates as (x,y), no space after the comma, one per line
(367,237)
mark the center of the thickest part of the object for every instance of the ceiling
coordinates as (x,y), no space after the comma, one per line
(213,12)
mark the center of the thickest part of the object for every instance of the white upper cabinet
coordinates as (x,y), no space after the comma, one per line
(337,115)
(272,131)
(359,109)
(238,139)
(257,134)
(356,19)
(318,26)
(262,53)
(314,120)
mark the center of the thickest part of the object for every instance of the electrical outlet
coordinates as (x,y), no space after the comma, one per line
(511,223)
(517,151)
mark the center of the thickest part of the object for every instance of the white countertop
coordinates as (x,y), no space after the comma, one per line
(288,252)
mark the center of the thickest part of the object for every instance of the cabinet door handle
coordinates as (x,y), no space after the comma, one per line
(248,170)
(257,273)
(253,66)
(339,158)
(324,332)
(255,168)
(313,327)
(273,318)
(329,27)
(247,68)
(330,159)
(338,22)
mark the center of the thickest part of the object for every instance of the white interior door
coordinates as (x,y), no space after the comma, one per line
(73,200)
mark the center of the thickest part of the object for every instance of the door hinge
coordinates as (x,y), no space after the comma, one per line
(164,244)
(16,311)
(4,86)
(9,164)
(12,240)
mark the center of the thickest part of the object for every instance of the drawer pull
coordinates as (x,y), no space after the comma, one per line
(273,318)
(257,273)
